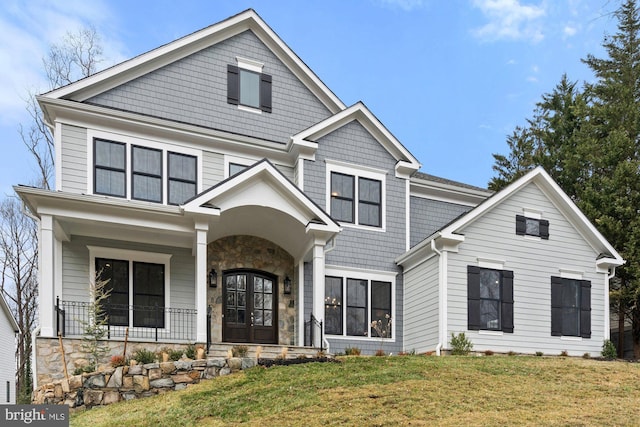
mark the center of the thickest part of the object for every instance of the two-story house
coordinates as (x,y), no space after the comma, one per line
(224,191)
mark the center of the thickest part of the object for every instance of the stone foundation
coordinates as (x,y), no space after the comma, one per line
(49,358)
(113,385)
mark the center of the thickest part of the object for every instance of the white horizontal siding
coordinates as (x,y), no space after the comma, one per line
(212,169)
(533,262)
(7,360)
(421,307)
(287,171)
(74,159)
(75,270)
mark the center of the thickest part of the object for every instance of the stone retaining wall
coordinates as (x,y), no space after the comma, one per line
(133,382)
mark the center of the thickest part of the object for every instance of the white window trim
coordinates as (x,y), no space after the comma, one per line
(492,264)
(134,256)
(228,159)
(129,141)
(532,213)
(358,171)
(369,275)
(493,333)
(571,274)
(256,67)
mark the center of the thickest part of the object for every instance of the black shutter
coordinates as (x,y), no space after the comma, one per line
(585,309)
(507,301)
(521,225)
(473,298)
(556,306)
(265,93)
(233,85)
(544,229)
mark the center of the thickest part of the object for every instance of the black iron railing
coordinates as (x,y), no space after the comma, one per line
(145,322)
(313,333)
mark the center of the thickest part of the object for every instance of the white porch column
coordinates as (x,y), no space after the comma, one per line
(46,277)
(201,281)
(318,280)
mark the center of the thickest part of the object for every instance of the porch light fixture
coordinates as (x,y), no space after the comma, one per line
(213,278)
(287,286)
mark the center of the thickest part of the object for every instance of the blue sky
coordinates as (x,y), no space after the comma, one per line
(450,79)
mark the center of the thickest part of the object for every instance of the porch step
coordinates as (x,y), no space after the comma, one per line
(269,351)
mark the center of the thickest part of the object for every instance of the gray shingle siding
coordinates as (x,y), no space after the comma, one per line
(428,216)
(75,269)
(194,90)
(74,159)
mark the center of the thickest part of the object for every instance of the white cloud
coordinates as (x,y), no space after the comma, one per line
(569,30)
(28,29)
(512,62)
(406,5)
(510,20)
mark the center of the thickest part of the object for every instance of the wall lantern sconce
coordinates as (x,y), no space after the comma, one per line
(213,278)
(287,286)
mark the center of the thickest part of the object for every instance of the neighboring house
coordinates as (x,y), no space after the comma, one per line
(8,330)
(225,191)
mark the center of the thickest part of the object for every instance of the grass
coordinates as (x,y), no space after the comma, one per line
(415,390)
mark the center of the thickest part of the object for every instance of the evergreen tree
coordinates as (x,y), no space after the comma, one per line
(589,143)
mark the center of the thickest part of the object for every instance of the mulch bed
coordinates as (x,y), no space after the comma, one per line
(267,363)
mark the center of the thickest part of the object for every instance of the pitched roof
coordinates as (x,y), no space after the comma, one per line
(194,42)
(450,232)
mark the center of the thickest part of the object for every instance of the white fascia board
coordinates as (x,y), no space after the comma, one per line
(137,125)
(419,253)
(185,46)
(447,193)
(362,114)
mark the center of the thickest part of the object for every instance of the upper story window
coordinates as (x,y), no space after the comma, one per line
(110,168)
(145,173)
(528,225)
(248,86)
(570,307)
(489,299)
(356,196)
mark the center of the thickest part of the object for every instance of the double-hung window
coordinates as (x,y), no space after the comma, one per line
(489,299)
(248,86)
(570,307)
(356,196)
(139,172)
(146,174)
(352,304)
(110,174)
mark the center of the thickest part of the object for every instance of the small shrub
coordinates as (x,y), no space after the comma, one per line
(84,369)
(352,351)
(190,351)
(117,360)
(512,353)
(564,353)
(488,353)
(460,344)
(609,351)
(239,350)
(539,353)
(321,354)
(174,355)
(380,352)
(144,356)
(586,356)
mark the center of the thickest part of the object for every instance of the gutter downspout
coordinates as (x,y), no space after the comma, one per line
(439,253)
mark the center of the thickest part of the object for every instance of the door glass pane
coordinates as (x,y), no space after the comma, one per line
(267,317)
(231,299)
(242,299)
(230,315)
(242,282)
(267,301)
(231,282)
(241,316)
(258,320)
(268,286)
(258,284)
(257,300)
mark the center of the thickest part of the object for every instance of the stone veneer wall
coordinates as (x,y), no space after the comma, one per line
(133,382)
(49,358)
(238,252)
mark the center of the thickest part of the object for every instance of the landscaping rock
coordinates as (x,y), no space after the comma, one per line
(217,363)
(225,371)
(161,383)
(140,383)
(235,363)
(182,378)
(93,397)
(110,397)
(116,379)
(248,362)
(135,370)
(183,365)
(167,367)
(95,381)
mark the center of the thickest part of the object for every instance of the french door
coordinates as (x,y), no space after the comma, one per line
(249,300)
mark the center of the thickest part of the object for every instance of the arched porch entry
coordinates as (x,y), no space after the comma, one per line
(249,303)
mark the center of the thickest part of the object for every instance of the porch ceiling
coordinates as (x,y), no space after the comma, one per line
(265,222)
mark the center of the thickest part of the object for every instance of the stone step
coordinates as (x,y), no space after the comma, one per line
(268,351)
